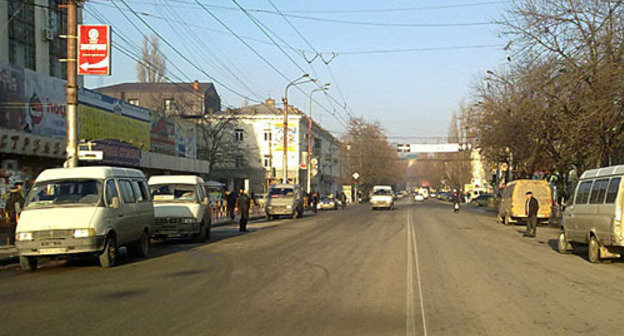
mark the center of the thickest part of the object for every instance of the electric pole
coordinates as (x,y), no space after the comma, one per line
(72,87)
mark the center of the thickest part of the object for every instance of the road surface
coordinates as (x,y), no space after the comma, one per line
(418,270)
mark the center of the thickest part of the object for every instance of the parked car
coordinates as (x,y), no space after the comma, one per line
(419,198)
(85,211)
(327,203)
(593,216)
(482,200)
(181,207)
(284,200)
(512,208)
(382,198)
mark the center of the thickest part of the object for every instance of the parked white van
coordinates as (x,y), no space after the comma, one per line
(85,210)
(594,215)
(181,206)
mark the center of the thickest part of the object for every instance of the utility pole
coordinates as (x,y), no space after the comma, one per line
(285,102)
(72,87)
(309,172)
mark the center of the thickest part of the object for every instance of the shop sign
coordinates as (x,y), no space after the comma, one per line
(186,139)
(29,144)
(94,50)
(116,152)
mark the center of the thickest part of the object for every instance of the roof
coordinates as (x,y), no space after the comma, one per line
(175,179)
(601,172)
(95,172)
(155,87)
(263,109)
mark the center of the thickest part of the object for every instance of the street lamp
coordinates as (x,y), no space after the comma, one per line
(285,101)
(309,180)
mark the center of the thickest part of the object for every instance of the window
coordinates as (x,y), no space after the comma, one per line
(268,136)
(178,193)
(266,161)
(239,161)
(200,193)
(111,191)
(139,194)
(612,191)
(65,192)
(133,102)
(582,194)
(317,145)
(598,191)
(238,134)
(145,191)
(126,191)
(22,33)
(170,105)
(57,19)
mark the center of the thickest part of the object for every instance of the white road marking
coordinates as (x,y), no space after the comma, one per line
(410,328)
(413,248)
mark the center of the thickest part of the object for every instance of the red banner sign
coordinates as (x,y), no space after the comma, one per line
(94,52)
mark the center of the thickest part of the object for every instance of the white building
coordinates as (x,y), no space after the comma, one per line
(260,129)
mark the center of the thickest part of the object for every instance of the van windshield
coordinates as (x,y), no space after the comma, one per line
(382,192)
(64,192)
(166,193)
(281,192)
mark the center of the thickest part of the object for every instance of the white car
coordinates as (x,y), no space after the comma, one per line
(382,198)
(419,198)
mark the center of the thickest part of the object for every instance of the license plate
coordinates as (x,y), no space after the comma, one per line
(55,250)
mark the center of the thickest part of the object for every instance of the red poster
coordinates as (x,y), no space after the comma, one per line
(94,50)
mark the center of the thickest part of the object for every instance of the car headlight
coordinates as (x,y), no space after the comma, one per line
(289,207)
(84,233)
(24,236)
(189,220)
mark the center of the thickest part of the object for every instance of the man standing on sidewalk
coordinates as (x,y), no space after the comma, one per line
(531,209)
(13,207)
(230,202)
(243,203)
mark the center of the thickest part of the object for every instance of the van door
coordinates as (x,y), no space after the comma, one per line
(114,217)
(597,221)
(142,206)
(581,211)
(129,212)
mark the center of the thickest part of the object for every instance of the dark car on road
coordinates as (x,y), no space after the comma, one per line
(484,200)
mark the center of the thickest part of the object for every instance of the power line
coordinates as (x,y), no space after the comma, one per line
(184,57)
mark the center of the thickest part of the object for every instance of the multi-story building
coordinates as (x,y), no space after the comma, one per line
(260,131)
(174,99)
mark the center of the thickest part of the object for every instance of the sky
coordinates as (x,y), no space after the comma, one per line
(413,93)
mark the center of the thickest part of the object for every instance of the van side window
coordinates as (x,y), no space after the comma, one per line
(599,191)
(138,194)
(126,191)
(145,191)
(582,195)
(200,193)
(612,191)
(111,191)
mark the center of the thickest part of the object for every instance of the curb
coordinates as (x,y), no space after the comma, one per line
(8,255)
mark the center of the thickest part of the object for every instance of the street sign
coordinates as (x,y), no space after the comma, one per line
(94,52)
(356,176)
(91,155)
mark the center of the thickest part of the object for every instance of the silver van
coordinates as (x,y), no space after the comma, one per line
(593,216)
(284,200)
(85,211)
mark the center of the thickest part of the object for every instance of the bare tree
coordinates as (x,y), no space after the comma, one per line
(218,144)
(151,67)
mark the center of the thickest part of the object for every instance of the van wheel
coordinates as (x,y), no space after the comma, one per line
(28,263)
(562,243)
(108,258)
(140,248)
(506,221)
(201,235)
(208,227)
(593,250)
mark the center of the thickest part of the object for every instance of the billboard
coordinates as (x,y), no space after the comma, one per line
(162,138)
(104,117)
(278,137)
(186,139)
(94,50)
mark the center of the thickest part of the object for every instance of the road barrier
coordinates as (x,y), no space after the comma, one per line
(219,215)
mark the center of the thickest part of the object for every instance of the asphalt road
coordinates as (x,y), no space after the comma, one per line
(417,270)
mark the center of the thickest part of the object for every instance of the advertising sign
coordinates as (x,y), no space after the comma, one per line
(116,152)
(45,107)
(186,139)
(104,117)
(162,138)
(278,137)
(94,50)
(11,97)
(434,148)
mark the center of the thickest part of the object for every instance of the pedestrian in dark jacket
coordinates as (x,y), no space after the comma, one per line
(315,201)
(230,202)
(531,209)
(243,203)
(13,207)
(343,199)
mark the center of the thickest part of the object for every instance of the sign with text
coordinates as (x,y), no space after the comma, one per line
(94,52)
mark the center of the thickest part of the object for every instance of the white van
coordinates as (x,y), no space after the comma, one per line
(593,216)
(86,210)
(181,207)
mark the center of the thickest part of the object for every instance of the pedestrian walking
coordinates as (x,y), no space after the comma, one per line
(230,202)
(315,201)
(343,200)
(531,209)
(243,203)
(13,207)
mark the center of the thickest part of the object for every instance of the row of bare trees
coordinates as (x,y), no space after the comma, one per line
(368,153)
(558,106)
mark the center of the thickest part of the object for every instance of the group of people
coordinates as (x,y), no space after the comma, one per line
(239,200)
